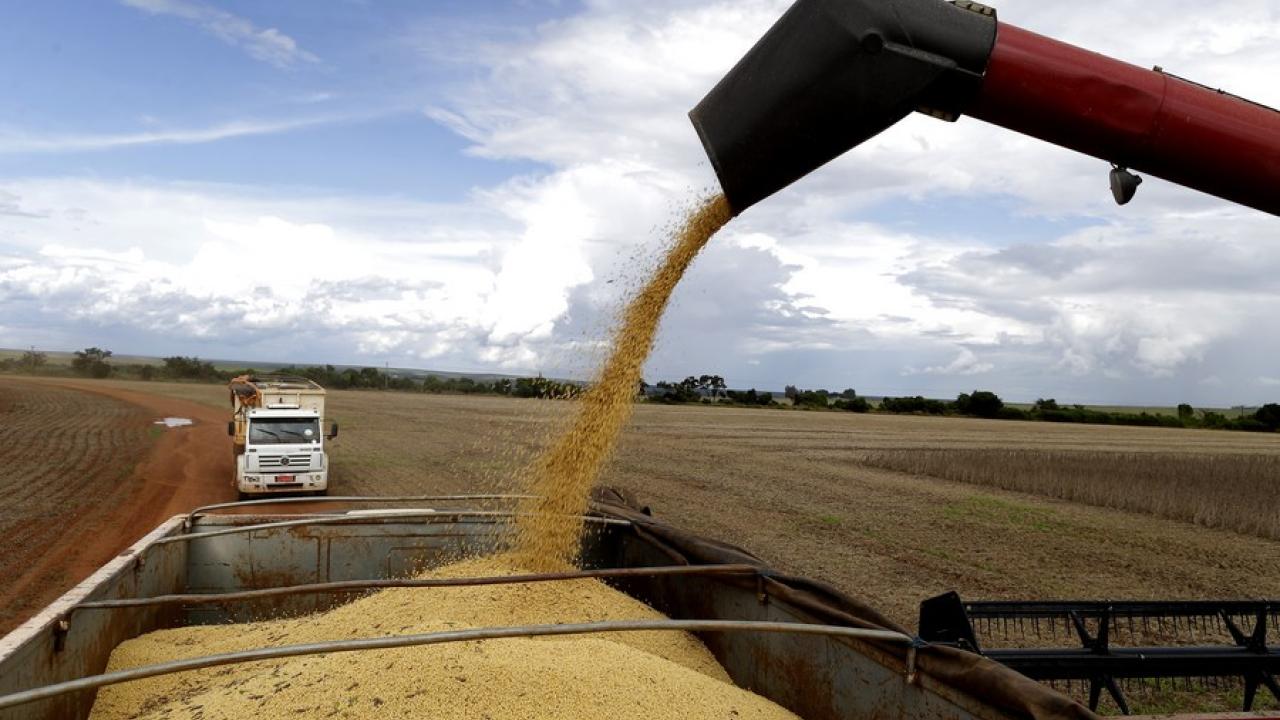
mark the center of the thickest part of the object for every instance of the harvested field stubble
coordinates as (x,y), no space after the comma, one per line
(1219,490)
(794,487)
(645,675)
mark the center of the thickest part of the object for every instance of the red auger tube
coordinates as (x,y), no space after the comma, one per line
(1146,120)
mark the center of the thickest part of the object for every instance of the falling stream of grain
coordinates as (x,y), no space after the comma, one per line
(659,675)
(549,527)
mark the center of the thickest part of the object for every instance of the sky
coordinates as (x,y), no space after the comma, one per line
(475,186)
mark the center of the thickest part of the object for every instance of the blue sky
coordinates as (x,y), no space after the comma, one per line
(476,185)
(351,92)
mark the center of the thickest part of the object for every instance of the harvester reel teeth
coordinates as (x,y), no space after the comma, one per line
(1250,691)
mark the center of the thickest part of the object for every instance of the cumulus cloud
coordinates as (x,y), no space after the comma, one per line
(966,362)
(220,266)
(266,44)
(959,249)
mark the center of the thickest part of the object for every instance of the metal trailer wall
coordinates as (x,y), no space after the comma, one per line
(58,644)
(817,677)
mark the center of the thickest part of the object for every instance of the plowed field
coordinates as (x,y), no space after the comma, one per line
(83,473)
(62,455)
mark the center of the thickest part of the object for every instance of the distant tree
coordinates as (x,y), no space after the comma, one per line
(791,392)
(1214,420)
(32,360)
(915,404)
(848,394)
(685,391)
(812,399)
(1268,415)
(750,397)
(147,372)
(644,388)
(92,362)
(855,404)
(189,368)
(704,383)
(1049,404)
(1186,413)
(980,403)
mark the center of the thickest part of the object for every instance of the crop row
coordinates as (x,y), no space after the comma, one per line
(1218,490)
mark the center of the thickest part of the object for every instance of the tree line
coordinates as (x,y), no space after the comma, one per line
(707,389)
(98,363)
(985,404)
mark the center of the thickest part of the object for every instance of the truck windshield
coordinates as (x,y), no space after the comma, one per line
(284,430)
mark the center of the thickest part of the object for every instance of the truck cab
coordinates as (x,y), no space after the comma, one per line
(279,442)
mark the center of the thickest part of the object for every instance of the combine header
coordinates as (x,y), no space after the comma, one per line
(1111,642)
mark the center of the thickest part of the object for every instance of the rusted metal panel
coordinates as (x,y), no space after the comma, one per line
(817,677)
(59,644)
(370,548)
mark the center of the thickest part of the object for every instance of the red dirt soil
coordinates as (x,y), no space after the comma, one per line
(184,468)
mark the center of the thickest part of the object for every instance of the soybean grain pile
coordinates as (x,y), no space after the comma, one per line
(642,675)
(649,675)
(562,476)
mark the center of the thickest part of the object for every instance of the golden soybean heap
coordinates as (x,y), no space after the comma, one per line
(649,675)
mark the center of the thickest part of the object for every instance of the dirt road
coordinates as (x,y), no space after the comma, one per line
(69,511)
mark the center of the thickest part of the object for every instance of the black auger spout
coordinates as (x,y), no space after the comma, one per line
(830,75)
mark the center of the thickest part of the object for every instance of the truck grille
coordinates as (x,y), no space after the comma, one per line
(282,463)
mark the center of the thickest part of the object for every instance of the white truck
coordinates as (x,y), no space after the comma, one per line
(276,421)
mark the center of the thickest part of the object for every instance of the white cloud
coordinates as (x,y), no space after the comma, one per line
(266,44)
(1269,381)
(11,205)
(313,98)
(956,248)
(15,142)
(1148,291)
(225,264)
(966,362)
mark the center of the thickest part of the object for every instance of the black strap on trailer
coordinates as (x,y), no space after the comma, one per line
(947,619)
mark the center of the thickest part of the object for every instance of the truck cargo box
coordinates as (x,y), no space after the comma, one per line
(817,676)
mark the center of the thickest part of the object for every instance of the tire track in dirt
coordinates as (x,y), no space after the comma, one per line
(181,469)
